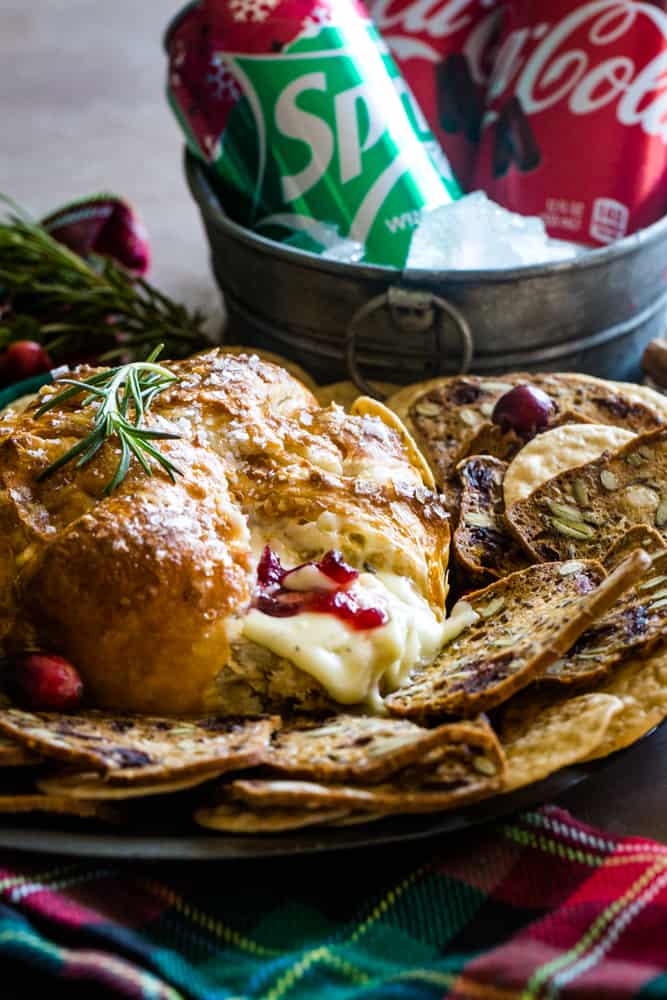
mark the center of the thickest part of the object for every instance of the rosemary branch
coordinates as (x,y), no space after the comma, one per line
(72,305)
(124,395)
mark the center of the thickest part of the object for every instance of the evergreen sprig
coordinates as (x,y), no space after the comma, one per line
(74,306)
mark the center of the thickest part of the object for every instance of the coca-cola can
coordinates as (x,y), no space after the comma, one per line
(444,49)
(576,123)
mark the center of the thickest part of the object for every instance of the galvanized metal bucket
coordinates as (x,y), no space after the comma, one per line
(593,314)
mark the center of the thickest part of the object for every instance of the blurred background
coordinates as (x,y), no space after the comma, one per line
(83,110)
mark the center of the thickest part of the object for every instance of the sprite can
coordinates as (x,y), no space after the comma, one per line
(301,112)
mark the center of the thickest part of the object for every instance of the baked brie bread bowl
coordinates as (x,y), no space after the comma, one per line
(176,596)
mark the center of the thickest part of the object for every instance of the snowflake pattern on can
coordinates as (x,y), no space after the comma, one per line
(321,17)
(252,10)
(223,83)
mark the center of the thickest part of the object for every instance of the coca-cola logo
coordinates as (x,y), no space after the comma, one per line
(589,60)
(417,30)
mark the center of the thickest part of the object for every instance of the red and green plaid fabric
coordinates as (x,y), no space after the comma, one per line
(537,908)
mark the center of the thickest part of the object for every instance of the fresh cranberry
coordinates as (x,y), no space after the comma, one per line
(334,566)
(22,359)
(45,682)
(523,409)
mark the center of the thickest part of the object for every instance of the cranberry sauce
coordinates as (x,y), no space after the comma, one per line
(274,596)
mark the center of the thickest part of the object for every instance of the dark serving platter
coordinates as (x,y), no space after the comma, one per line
(182,843)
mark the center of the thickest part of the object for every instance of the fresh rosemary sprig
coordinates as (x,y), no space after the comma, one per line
(74,306)
(124,395)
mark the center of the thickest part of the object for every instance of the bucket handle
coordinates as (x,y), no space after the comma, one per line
(411,311)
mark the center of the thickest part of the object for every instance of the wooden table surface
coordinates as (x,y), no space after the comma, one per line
(81,85)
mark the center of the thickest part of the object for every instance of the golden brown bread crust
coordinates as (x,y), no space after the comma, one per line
(138,588)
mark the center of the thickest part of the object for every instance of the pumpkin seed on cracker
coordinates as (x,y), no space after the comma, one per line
(141,748)
(544,611)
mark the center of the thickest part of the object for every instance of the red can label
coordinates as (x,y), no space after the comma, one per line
(444,50)
(576,123)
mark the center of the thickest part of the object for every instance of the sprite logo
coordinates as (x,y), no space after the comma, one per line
(328,132)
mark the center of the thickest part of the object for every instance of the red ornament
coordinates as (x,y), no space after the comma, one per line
(576,122)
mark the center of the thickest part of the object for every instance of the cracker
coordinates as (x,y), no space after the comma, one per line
(92,787)
(641,684)
(581,513)
(555,736)
(58,805)
(445,415)
(364,406)
(482,544)
(363,748)
(641,536)
(141,748)
(345,393)
(232,817)
(632,626)
(527,621)
(264,793)
(557,450)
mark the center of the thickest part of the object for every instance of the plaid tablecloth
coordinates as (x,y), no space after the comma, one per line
(539,906)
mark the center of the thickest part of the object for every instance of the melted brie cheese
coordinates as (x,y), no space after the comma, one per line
(355,666)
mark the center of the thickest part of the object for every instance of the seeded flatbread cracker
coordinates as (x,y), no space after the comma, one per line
(482,544)
(58,805)
(387,798)
(641,684)
(581,513)
(636,623)
(526,621)
(345,393)
(92,787)
(556,736)
(557,450)
(141,748)
(445,414)
(364,748)
(641,536)
(233,817)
